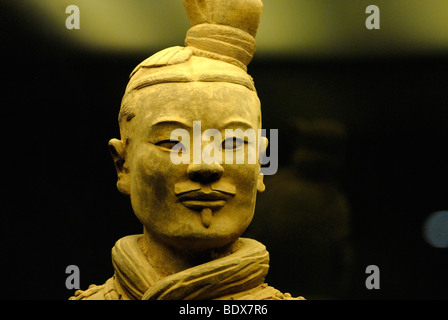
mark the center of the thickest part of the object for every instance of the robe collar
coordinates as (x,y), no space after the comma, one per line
(239,271)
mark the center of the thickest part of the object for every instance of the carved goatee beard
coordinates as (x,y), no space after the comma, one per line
(206,217)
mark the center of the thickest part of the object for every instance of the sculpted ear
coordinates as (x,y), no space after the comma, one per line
(261,151)
(118,152)
(262,147)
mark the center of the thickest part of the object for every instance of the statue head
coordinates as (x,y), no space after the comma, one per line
(194,206)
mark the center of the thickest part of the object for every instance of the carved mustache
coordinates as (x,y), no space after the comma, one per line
(214,189)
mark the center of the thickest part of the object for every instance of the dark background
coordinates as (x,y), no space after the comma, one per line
(60,206)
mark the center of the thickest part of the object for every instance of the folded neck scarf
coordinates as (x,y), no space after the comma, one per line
(240,271)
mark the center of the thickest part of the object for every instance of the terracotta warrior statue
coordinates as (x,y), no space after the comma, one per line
(193,214)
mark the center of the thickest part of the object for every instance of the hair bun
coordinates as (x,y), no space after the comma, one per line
(241,14)
(224,29)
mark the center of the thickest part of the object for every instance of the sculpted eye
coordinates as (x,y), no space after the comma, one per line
(169,144)
(232,143)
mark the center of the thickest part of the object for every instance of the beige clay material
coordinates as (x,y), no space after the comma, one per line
(193,215)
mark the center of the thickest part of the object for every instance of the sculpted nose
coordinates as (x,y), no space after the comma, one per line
(205,173)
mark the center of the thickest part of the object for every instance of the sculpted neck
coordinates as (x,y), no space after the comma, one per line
(167,260)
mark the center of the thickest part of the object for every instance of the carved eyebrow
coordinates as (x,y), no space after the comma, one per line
(171,123)
(162,129)
(237,124)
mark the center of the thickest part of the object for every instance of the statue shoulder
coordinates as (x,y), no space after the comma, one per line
(94,292)
(106,291)
(261,292)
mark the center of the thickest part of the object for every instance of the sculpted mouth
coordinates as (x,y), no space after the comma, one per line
(206,202)
(198,200)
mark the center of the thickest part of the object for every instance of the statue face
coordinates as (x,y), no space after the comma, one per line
(194,206)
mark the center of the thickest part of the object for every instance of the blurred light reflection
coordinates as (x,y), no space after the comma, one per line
(288,27)
(435,230)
